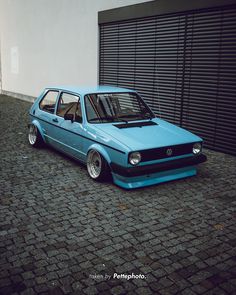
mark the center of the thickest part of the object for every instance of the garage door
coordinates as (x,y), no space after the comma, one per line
(184,66)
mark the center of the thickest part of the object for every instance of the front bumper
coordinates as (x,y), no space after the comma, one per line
(159,167)
(141,176)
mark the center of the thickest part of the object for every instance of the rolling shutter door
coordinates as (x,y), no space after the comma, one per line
(225,136)
(184,66)
(209,96)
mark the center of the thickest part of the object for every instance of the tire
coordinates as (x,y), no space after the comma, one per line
(97,166)
(34,136)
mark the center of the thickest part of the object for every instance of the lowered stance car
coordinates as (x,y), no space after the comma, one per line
(115,134)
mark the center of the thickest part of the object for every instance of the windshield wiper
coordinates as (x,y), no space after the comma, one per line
(101,119)
(147,116)
(121,120)
(109,119)
(138,116)
(130,116)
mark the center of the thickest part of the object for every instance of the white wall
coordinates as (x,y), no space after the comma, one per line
(50,42)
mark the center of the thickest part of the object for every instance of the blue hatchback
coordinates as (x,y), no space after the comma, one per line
(115,133)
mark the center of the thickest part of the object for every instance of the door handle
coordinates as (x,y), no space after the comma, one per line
(55,120)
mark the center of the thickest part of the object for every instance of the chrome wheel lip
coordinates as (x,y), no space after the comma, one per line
(94,164)
(32,134)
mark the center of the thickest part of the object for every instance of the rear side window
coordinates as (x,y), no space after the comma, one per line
(69,104)
(48,103)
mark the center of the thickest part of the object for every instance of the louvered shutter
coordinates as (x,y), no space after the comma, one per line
(209,96)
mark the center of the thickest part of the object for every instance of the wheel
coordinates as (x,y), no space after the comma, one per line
(97,166)
(34,137)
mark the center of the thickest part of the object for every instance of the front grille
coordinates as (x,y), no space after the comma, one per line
(161,153)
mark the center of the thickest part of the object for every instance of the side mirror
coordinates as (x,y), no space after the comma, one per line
(69,117)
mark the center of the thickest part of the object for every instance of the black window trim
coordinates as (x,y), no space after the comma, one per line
(46,92)
(70,93)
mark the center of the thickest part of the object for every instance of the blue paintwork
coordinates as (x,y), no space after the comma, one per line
(163,134)
(155,178)
(76,139)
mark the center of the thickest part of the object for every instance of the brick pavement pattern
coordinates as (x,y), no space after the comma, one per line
(63,233)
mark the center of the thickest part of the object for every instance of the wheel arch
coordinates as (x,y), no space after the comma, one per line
(37,124)
(101,150)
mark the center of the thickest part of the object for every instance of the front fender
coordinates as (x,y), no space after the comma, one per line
(101,150)
(37,124)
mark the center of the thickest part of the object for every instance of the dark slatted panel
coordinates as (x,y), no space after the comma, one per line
(209,96)
(201,73)
(184,66)
(109,54)
(225,137)
(169,66)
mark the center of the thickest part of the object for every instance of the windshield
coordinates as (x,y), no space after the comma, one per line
(116,107)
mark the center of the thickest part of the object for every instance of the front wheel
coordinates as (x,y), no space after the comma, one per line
(34,137)
(97,166)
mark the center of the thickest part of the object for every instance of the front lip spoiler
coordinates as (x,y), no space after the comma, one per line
(159,167)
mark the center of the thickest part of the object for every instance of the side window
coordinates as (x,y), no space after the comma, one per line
(69,104)
(48,103)
(91,109)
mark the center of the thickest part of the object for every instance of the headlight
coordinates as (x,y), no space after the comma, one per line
(197,147)
(134,158)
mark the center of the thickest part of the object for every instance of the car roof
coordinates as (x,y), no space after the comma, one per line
(93,89)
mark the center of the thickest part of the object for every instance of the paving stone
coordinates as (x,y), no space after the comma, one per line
(198,289)
(165,282)
(28,275)
(144,291)
(29,291)
(118,290)
(173,289)
(56,291)
(216,291)
(39,288)
(91,290)
(199,276)
(188,291)
(77,286)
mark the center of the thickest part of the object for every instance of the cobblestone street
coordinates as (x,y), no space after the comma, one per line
(62,233)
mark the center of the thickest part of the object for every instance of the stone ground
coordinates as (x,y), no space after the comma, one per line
(62,233)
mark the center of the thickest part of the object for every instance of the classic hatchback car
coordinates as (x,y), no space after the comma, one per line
(115,133)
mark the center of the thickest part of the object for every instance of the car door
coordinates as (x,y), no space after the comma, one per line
(46,115)
(70,128)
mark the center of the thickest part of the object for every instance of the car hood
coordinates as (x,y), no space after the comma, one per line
(146,137)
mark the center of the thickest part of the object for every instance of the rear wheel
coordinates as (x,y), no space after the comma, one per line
(97,166)
(34,137)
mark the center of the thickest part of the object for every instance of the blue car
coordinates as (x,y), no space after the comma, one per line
(115,134)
